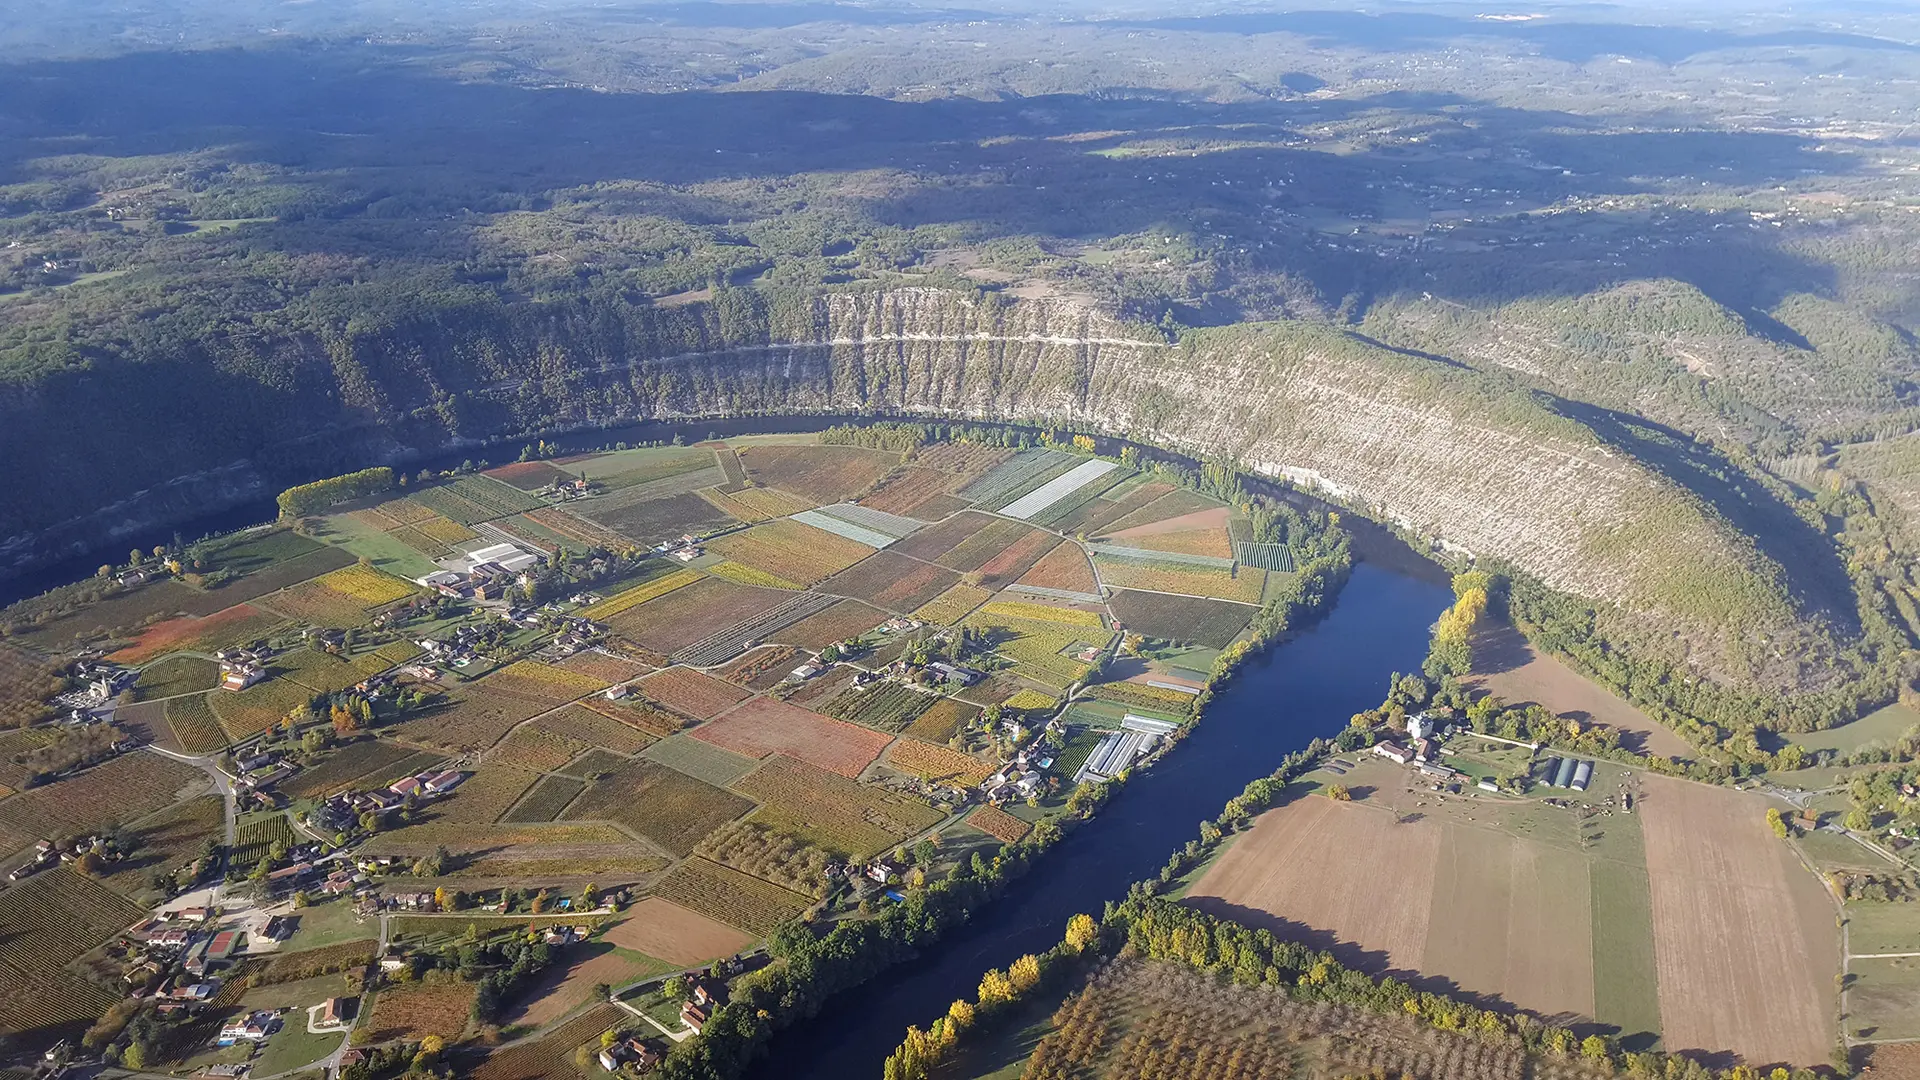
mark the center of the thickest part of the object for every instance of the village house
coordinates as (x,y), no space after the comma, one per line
(1393,751)
(237,677)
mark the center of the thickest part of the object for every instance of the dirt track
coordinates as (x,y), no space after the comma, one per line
(1743,935)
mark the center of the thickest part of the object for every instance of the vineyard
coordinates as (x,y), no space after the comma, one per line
(938,763)
(641,593)
(892,581)
(737,899)
(941,720)
(999,824)
(1209,543)
(640,715)
(752,848)
(1180,618)
(125,788)
(1014,560)
(967,460)
(1031,701)
(772,502)
(825,474)
(341,598)
(832,812)
(532,746)
(1064,568)
(953,605)
(50,920)
(993,539)
(887,705)
(470,723)
(414,1010)
(1033,612)
(545,800)
(332,959)
(742,574)
(703,609)
(765,726)
(1143,1020)
(763,668)
(484,796)
(550,1056)
(670,808)
(237,625)
(255,837)
(791,551)
(194,726)
(542,682)
(586,726)
(1140,695)
(846,619)
(702,761)
(605,666)
(936,541)
(907,489)
(1037,647)
(347,763)
(473,499)
(687,691)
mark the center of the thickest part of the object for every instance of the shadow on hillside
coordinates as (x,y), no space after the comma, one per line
(1810,561)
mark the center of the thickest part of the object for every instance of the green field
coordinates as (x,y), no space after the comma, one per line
(384,551)
(1879,728)
(1883,927)
(1884,998)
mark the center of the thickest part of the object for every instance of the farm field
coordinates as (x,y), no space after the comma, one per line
(1180,618)
(122,789)
(740,900)
(892,581)
(1509,667)
(569,983)
(791,551)
(1511,899)
(1882,727)
(1243,586)
(825,474)
(951,606)
(1743,935)
(765,726)
(668,807)
(846,619)
(676,620)
(999,824)
(762,668)
(700,760)
(831,811)
(413,1010)
(549,1057)
(1065,568)
(195,728)
(240,624)
(680,936)
(690,692)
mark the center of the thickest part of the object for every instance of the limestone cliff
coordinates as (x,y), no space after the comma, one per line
(1454,455)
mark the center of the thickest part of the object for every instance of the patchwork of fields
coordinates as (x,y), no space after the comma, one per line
(677,755)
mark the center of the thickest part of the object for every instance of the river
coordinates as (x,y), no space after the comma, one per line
(1276,705)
